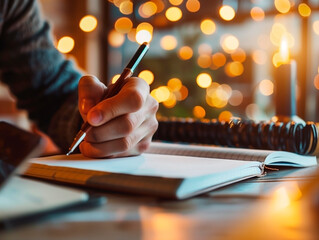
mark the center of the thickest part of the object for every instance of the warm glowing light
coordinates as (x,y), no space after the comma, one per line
(234,69)
(131,35)
(123,25)
(204,61)
(171,101)
(225,116)
(193,5)
(173,14)
(316,82)
(284,51)
(208,26)
(176,2)
(88,23)
(126,7)
(168,42)
(159,5)
(175,84)
(185,53)
(147,75)
(65,44)
(182,94)
(236,98)
(280,199)
(239,55)
(204,80)
(259,57)
(216,96)
(304,10)
(283,6)
(161,94)
(115,38)
(257,14)
(199,112)
(147,9)
(315,27)
(144,32)
(229,43)
(219,59)
(115,78)
(266,87)
(227,13)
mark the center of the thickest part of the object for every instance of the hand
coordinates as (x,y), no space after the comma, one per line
(122,125)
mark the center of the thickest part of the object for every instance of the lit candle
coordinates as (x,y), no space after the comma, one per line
(285,85)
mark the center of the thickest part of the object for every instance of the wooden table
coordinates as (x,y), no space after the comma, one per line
(277,206)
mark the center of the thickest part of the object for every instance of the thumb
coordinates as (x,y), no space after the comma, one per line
(90,91)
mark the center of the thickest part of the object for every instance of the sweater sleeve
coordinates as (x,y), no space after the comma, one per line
(44,82)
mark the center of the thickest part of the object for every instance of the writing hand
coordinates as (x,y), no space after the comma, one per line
(122,125)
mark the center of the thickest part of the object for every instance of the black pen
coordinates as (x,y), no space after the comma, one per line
(127,72)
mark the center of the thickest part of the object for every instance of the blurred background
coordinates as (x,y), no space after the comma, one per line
(207,59)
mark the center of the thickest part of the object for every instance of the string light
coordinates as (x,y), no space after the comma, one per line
(88,23)
(173,14)
(227,13)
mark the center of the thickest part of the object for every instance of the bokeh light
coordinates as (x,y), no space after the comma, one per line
(229,43)
(185,53)
(227,13)
(204,61)
(147,75)
(176,2)
(266,87)
(173,14)
(116,39)
(147,9)
(239,55)
(88,23)
(168,42)
(236,98)
(208,26)
(219,59)
(199,112)
(204,80)
(257,14)
(65,44)
(315,27)
(144,32)
(175,84)
(123,25)
(193,5)
(161,93)
(282,6)
(234,69)
(304,10)
(126,7)
(225,116)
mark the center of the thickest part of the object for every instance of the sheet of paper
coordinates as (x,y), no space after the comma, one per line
(148,164)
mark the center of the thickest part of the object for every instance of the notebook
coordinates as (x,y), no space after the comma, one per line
(22,199)
(166,170)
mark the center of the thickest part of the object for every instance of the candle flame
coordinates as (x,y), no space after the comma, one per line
(284,52)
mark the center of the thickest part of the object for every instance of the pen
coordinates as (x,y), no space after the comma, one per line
(127,72)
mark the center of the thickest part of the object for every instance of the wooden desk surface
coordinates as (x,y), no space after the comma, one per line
(273,207)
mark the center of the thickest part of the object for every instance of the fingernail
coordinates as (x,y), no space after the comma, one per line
(86,105)
(95,116)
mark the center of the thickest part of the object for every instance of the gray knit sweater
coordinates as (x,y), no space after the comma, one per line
(43,81)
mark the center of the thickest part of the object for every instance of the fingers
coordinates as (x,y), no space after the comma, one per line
(129,134)
(90,91)
(123,125)
(132,144)
(131,98)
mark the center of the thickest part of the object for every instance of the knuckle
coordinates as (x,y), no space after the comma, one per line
(129,123)
(126,143)
(93,136)
(136,99)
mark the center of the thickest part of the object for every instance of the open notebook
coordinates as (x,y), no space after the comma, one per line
(24,199)
(166,170)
